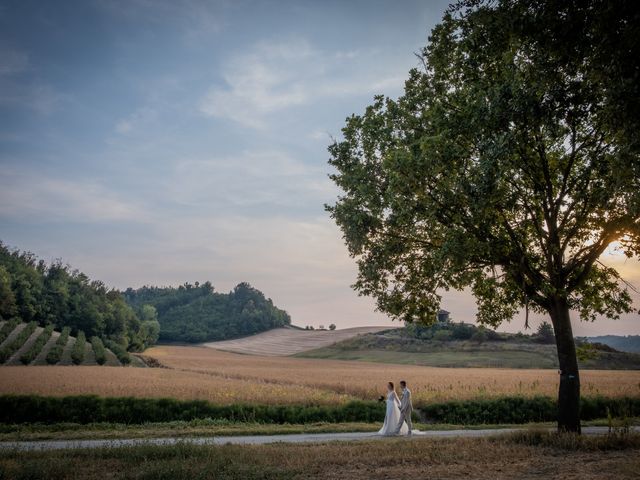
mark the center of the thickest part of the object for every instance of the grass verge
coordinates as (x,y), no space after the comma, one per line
(483,459)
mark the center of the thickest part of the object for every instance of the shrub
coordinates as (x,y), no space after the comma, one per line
(462,331)
(442,335)
(7,328)
(545,334)
(8,350)
(77,354)
(91,409)
(98,349)
(55,354)
(119,351)
(523,410)
(35,349)
(480,336)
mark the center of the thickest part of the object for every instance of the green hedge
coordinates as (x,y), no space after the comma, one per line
(523,410)
(98,349)
(119,351)
(7,328)
(77,354)
(55,354)
(8,350)
(91,409)
(36,348)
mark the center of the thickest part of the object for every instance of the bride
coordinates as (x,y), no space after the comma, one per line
(392,418)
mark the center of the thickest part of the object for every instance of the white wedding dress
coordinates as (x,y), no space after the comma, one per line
(392,418)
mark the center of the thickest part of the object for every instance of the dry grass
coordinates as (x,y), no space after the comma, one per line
(367,381)
(154,382)
(221,377)
(396,459)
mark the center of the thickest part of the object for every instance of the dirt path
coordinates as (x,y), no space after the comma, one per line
(262,439)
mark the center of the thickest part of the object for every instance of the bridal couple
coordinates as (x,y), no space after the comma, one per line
(397,421)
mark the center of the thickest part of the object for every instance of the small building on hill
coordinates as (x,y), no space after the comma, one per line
(443,316)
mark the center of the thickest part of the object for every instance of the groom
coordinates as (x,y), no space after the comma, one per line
(405,408)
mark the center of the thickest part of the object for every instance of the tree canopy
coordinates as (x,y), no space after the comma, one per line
(54,294)
(510,163)
(196,313)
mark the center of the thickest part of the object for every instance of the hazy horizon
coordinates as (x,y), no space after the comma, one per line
(163,142)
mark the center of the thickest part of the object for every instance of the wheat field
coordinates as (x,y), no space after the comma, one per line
(224,378)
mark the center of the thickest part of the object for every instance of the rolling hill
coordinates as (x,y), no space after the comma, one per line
(289,341)
(394,347)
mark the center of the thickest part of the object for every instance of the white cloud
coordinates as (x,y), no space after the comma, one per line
(275,76)
(268,79)
(30,194)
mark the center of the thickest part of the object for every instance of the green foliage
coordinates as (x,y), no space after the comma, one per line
(78,351)
(98,349)
(195,313)
(545,334)
(7,328)
(15,409)
(119,351)
(587,351)
(28,357)
(8,307)
(452,331)
(522,410)
(55,294)
(55,354)
(90,409)
(9,349)
(442,335)
(508,166)
(480,336)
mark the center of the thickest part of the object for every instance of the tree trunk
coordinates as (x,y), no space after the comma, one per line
(569,392)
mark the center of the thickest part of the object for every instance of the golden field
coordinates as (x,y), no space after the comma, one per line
(222,377)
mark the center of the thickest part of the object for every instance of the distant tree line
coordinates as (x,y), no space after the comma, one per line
(447,331)
(196,313)
(54,294)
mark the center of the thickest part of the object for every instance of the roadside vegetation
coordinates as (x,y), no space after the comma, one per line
(85,409)
(482,459)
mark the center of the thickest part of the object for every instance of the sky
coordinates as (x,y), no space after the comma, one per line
(157,142)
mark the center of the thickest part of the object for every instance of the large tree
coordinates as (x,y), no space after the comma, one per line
(508,166)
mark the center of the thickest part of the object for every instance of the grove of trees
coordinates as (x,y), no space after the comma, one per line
(196,313)
(53,294)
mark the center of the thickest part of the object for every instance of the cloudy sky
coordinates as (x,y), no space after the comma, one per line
(163,141)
